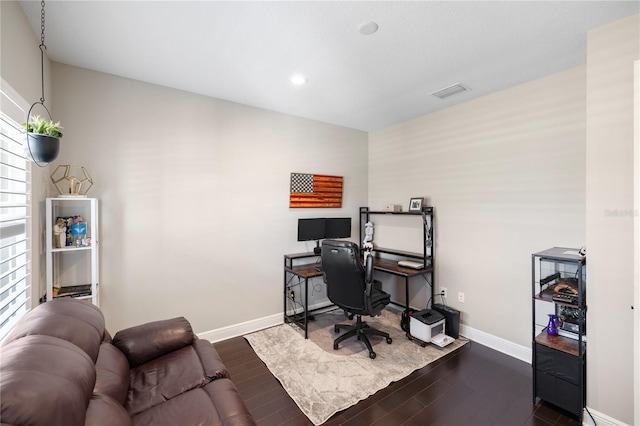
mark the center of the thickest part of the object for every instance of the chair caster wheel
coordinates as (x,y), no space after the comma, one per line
(335,346)
(336,329)
(389,340)
(372,355)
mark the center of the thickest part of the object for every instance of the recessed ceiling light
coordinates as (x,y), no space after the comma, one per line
(368,28)
(298,79)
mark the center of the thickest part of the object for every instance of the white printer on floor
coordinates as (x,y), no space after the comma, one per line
(428,326)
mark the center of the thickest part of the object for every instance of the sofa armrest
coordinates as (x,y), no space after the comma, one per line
(145,342)
(212,364)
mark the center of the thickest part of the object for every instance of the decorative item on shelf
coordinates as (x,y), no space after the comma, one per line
(79,232)
(42,135)
(72,186)
(68,222)
(428,231)
(552,326)
(367,242)
(60,233)
(415,204)
(393,208)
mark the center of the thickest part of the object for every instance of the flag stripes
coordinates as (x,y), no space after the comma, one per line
(319,191)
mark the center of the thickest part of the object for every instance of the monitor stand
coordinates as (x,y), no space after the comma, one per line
(317,249)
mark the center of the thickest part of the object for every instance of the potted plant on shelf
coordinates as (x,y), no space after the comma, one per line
(42,140)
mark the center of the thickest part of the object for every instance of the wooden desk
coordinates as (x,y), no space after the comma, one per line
(308,271)
(392,267)
(304,272)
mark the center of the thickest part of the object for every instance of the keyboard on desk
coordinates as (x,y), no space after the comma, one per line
(411,264)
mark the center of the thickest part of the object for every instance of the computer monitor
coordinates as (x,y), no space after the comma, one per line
(337,227)
(311,230)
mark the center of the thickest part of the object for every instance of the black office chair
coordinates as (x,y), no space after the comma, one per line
(351,287)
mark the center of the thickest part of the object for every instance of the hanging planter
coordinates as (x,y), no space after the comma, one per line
(42,136)
(42,139)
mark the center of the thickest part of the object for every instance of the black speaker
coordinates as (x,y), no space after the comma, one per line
(451,319)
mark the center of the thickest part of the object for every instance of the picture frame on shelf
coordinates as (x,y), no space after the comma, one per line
(415,204)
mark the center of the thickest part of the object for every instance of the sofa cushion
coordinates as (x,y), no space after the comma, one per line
(145,342)
(216,404)
(112,373)
(44,381)
(164,378)
(76,321)
(105,411)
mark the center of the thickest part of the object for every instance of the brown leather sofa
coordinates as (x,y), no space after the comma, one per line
(60,366)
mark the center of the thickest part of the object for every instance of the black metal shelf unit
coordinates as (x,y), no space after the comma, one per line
(559,357)
(427,256)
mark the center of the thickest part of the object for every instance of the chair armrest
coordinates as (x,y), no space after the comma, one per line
(145,342)
(368,280)
(368,269)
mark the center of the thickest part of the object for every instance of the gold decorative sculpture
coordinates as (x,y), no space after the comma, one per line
(75,187)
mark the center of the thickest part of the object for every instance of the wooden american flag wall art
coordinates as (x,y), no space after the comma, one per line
(315,191)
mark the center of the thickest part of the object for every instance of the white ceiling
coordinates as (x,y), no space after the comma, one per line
(246,51)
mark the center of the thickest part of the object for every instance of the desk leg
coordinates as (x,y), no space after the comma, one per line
(406,292)
(306,308)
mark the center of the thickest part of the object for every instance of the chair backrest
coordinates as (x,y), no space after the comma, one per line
(348,284)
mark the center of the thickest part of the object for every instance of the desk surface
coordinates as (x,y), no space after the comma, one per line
(390,266)
(301,255)
(305,271)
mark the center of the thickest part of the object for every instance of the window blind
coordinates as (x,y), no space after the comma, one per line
(15,208)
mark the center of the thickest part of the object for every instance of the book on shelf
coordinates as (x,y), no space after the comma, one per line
(75,291)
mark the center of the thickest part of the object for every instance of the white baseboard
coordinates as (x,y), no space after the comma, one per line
(243,328)
(499,344)
(600,419)
(252,326)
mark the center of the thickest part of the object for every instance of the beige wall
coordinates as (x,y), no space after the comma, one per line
(546,163)
(193,190)
(611,52)
(194,208)
(506,175)
(20,68)
(194,195)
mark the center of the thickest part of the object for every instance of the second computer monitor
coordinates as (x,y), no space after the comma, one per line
(337,227)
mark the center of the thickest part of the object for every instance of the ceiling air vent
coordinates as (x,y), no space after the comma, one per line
(454,89)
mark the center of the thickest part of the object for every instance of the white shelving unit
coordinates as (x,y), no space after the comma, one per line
(72,265)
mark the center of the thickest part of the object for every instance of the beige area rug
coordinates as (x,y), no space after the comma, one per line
(323,381)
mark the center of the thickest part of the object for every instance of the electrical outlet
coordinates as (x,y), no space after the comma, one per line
(443,292)
(460,297)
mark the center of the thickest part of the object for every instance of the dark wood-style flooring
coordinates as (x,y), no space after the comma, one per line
(474,385)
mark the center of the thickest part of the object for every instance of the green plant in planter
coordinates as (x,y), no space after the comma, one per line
(42,126)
